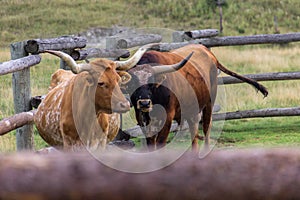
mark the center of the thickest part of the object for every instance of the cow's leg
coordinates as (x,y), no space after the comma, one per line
(163,134)
(206,125)
(71,140)
(194,127)
(103,122)
(151,142)
(71,144)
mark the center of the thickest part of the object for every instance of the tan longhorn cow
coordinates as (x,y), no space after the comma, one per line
(66,118)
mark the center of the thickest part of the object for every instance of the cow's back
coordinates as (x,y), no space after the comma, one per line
(203,61)
(200,74)
(60,76)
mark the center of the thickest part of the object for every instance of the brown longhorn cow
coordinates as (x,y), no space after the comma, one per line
(183,92)
(80,107)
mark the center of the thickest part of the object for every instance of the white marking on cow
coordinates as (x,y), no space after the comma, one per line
(143,76)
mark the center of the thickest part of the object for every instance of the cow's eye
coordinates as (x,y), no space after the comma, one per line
(101,84)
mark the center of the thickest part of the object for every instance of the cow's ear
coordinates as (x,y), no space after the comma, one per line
(160,79)
(125,77)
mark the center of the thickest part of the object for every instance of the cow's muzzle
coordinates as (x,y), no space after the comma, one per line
(121,107)
(145,105)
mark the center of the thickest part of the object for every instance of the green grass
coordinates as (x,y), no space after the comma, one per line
(265,132)
(247,133)
(8,142)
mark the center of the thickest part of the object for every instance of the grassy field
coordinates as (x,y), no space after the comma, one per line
(28,19)
(21,20)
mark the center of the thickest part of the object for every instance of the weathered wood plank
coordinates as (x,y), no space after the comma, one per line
(65,42)
(196,34)
(164,47)
(242,174)
(249,40)
(22,95)
(261,77)
(268,112)
(102,53)
(234,40)
(19,64)
(16,121)
(139,40)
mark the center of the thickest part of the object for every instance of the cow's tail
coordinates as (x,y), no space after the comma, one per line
(252,82)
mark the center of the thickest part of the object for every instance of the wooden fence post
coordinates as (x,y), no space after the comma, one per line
(22,95)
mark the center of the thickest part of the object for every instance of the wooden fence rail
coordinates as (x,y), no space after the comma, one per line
(102,53)
(19,64)
(234,41)
(180,36)
(65,42)
(138,40)
(11,123)
(196,34)
(243,174)
(268,112)
(252,39)
(278,76)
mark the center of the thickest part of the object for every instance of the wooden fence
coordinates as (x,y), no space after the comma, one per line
(22,61)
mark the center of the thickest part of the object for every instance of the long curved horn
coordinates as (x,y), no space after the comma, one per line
(75,68)
(131,62)
(161,69)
